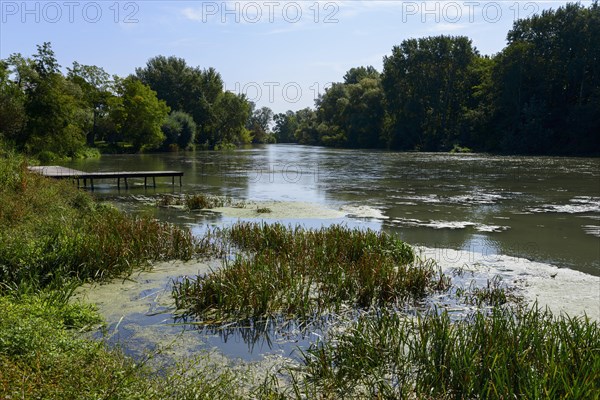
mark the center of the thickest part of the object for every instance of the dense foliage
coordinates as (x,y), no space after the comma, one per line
(540,95)
(221,117)
(165,106)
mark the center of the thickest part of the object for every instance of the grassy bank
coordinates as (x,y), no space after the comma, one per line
(54,237)
(526,353)
(43,357)
(53,233)
(302,273)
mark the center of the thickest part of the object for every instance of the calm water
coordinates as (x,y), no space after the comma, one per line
(543,209)
(540,208)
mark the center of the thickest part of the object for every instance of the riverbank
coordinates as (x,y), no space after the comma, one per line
(53,238)
(45,352)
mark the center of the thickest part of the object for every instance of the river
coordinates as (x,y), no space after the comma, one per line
(545,209)
(527,217)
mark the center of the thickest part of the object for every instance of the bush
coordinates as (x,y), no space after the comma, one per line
(179,130)
(53,232)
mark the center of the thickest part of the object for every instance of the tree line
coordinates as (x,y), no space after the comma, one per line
(165,105)
(539,95)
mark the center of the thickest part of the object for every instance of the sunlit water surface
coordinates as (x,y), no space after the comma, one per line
(540,210)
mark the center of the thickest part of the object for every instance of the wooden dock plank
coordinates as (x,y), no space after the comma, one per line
(55,171)
(58,172)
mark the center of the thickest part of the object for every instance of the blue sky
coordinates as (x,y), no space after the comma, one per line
(280,53)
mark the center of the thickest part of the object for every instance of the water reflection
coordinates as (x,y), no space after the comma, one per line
(541,208)
(252,339)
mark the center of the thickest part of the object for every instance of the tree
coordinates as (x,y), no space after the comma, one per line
(331,116)
(52,105)
(179,129)
(557,111)
(426,89)
(55,121)
(233,111)
(355,75)
(351,114)
(307,132)
(97,87)
(185,88)
(138,114)
(170,78)
(12,105)
(45,62)
(258,124)
(286,125)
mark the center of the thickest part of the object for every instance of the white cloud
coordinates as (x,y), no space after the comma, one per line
(193,14)
(447,27)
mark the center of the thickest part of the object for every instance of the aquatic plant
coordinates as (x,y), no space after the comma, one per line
(207,202)
(495,293)
(300,273)
(503,354)
(168,200)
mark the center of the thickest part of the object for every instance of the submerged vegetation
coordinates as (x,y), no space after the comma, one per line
(197,201)
(202,201)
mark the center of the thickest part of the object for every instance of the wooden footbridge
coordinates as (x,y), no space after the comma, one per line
(58,172)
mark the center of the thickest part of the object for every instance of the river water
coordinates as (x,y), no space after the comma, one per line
(527,215)
(539,208)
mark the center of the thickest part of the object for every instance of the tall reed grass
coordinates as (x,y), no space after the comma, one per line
(300,273)
(52,232)
(526,354)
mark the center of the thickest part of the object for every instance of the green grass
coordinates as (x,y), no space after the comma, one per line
(42,356)
(300,273)
(53,238)
(504,354)
(52,233)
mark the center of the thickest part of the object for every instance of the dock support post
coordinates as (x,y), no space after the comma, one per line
(145,182)
(154,181)
(180,181)
(84,182)
(119,183)
(126,185)
(173,180)
(92,183)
